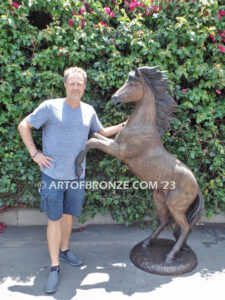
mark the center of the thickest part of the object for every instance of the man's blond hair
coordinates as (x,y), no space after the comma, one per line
(73,70)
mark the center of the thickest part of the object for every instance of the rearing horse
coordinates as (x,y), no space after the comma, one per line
(140,147)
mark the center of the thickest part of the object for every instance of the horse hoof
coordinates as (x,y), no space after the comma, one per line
(168,260)
(79,171)
(145,244)
(94,135)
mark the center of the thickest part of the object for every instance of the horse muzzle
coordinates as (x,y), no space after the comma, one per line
(115,100)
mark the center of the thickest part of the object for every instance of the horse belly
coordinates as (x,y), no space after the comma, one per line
(162,172)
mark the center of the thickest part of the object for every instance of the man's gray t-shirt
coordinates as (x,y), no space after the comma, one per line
(64,134)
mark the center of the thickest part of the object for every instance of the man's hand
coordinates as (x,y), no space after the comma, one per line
(41,160)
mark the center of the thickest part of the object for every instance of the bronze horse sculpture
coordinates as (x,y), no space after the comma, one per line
(140,147)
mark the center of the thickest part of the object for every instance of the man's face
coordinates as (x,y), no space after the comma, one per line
(75,86)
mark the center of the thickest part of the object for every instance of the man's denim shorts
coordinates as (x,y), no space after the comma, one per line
(61,197)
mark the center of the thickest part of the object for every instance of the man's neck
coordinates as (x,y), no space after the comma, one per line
(73,103)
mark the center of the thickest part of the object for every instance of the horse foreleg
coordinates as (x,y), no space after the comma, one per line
(107,145)
(160,203)
(99,136)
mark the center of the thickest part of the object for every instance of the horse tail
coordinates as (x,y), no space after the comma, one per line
(193,213)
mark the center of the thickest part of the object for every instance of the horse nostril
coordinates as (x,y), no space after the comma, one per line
(114,99)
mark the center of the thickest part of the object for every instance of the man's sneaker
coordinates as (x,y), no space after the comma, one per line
(52,282)
(69,257)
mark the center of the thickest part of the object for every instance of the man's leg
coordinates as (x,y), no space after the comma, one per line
(54,240)
(73,201)
(66,229)
(54,237)
(52,204)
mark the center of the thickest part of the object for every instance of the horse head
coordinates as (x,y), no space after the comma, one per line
(149,85)
(131,91)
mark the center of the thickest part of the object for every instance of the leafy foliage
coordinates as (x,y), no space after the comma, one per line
(39,39)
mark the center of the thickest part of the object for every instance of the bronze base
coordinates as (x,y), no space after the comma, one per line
(152,258)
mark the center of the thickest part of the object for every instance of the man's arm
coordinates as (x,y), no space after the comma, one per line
(25,131)
(112,130)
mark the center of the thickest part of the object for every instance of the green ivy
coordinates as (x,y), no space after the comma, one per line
(39,39)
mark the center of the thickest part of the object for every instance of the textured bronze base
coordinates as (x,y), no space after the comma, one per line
(152,258)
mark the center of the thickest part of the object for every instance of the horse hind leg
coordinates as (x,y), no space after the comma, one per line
(176,234)
(161,207)
(174,203)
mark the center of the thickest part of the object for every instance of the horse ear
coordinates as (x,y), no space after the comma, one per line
(136,72)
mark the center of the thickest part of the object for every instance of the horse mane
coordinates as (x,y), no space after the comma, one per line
(165,105)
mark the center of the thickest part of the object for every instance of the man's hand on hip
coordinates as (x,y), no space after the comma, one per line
(42,159)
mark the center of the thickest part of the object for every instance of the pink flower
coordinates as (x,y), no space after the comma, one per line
(73,13)
(70,22)
(222,34)
(132,6)
(222,49)
(205,150)
(16,5)
(155,8)
(82,10)
(112,14)
(221,13)
(82,22)
(184,90)
(218,92)
(212,37)
(107,10)
(103,198)
(103,23)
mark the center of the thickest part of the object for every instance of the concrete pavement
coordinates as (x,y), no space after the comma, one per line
(107,271)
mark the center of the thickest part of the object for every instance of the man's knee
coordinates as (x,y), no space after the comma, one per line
(54,218)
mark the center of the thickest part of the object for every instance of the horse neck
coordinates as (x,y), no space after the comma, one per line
(144,112)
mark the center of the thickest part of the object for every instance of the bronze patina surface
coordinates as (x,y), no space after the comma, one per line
(140,147)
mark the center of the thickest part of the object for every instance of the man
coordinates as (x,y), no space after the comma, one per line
(65,126)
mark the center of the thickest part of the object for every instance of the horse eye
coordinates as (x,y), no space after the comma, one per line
(133,82)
